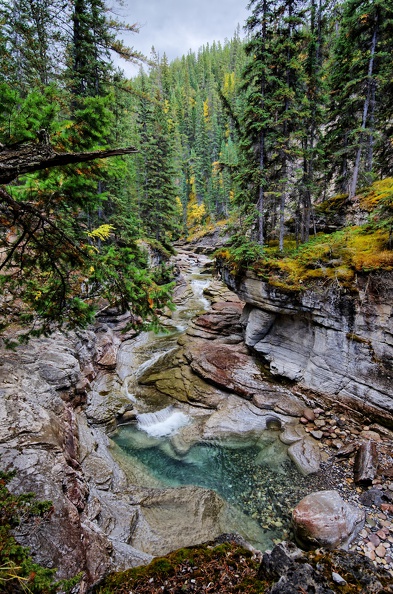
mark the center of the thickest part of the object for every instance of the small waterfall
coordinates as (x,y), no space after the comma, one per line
(198,286)
(162,422)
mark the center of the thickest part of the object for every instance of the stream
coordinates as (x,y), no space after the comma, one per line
(168,445)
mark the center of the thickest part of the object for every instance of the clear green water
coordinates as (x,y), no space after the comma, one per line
(254,475)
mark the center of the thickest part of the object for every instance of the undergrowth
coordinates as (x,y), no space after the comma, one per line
(224,568)
(337,257)
(197,231)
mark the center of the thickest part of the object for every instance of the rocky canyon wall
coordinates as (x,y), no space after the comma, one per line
(336,343)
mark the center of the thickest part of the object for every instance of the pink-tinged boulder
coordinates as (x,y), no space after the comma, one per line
(324,519)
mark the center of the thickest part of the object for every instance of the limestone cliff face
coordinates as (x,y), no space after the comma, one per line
(329,341)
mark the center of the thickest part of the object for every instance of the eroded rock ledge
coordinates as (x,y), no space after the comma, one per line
(334,343)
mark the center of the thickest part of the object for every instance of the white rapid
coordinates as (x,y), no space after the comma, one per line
(161,423)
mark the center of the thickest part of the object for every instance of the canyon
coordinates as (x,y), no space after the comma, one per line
(63,398)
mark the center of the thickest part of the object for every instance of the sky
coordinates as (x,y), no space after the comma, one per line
(176,26)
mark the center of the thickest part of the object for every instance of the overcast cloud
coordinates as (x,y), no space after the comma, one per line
(176,26)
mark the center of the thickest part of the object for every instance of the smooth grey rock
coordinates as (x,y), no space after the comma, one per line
(236,417)
(324,519)
(164,519)
(317,434)
(258,325)
(60,369)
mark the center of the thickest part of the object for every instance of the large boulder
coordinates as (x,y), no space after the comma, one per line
(324,519)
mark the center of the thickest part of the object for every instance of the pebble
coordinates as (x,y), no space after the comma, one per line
(370,435)
(318,411)
(381,534)
(316,434)
(363,533)
(370,546)
(337,579)
(380,551)
(319,423)
(370,555)
(374,539)
(308,414)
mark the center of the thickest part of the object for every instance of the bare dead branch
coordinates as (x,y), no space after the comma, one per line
(27,158)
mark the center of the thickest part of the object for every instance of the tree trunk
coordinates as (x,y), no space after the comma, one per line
(261,197)
(354,181)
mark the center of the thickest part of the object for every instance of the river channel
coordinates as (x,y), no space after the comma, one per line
(169,446)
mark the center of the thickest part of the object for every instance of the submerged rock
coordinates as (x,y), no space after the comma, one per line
(173,518)
(324,519)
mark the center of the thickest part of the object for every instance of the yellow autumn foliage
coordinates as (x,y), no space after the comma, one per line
(195,214)
(102,232)
(206,110)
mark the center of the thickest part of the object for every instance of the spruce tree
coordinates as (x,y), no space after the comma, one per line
(359,79)
(158,208)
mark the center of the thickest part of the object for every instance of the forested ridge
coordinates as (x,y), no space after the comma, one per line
(275,136)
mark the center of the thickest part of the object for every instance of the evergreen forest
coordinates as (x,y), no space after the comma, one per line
(268,135)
